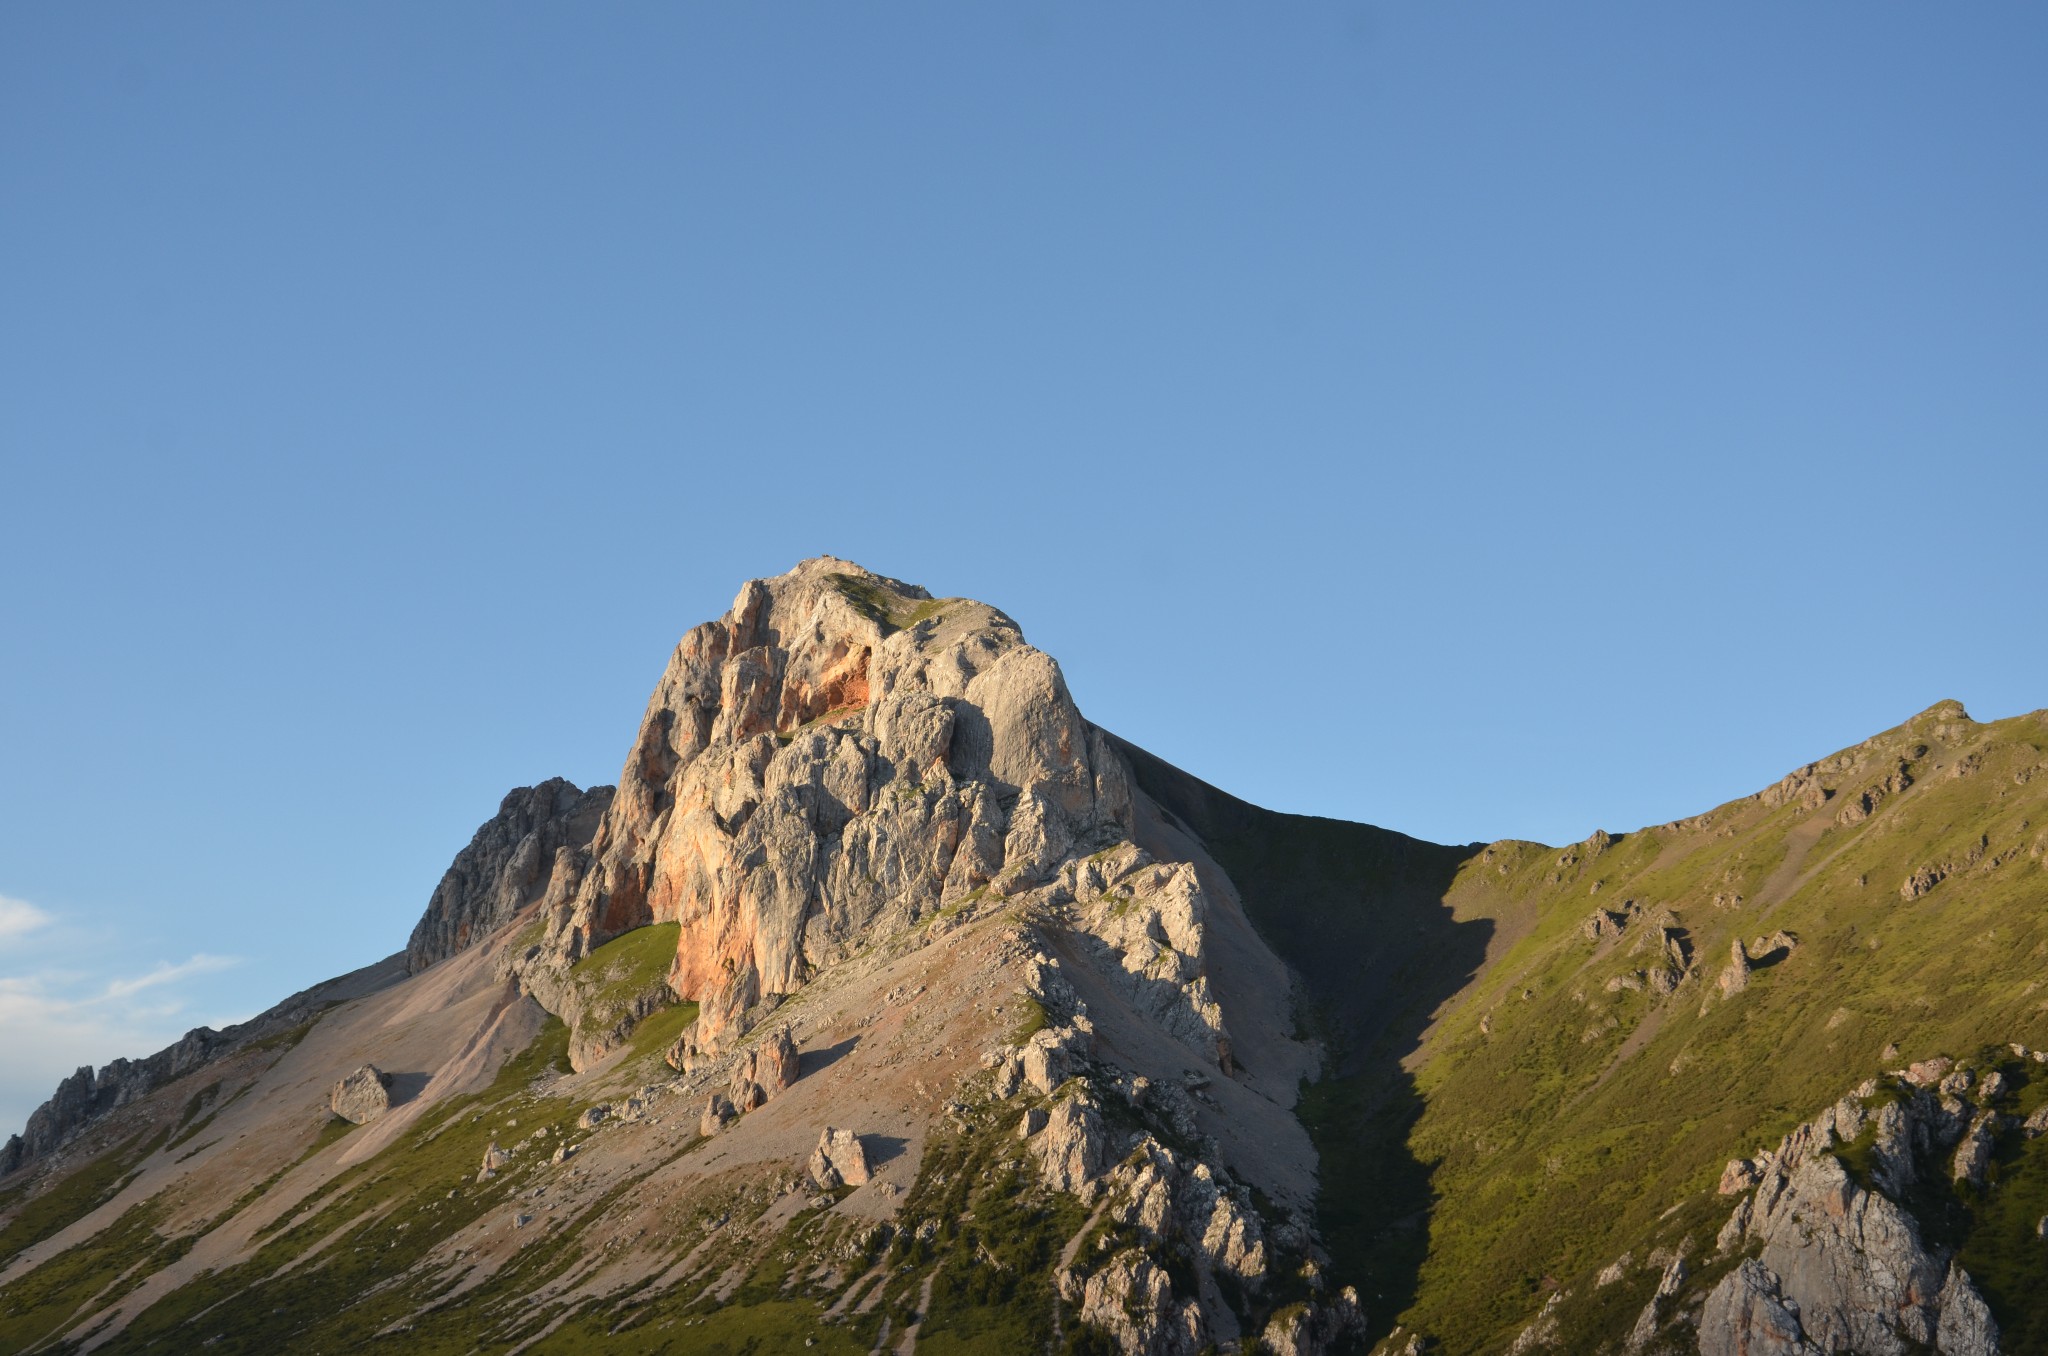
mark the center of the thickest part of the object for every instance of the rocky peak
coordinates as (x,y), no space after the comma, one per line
(838,756)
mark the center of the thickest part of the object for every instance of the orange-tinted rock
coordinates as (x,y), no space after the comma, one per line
(837,753)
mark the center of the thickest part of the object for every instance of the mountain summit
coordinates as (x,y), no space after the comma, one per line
(887,1004)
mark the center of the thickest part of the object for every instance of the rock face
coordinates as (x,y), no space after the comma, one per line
(494,1158)
(1841,1265)
(537,838)
(839,755)
(362,1096)
(838,1160)
(1746,1315)
(1307,1330)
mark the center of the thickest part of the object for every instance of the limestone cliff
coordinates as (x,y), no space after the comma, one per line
(838,756)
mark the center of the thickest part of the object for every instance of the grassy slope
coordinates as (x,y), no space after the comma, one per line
(615,977)
(1561,1135)
(1543,1124)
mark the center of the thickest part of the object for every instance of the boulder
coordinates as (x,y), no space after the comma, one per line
(1973,1155)
(718,1113)
(763,1069)
(838,1160)
(363,1096)
(1926,1073)
(1054,1055)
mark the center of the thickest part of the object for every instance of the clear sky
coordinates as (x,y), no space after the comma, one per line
(1480,419)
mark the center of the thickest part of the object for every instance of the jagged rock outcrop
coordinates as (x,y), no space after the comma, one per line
(763,1069)
(535,842)
(1073,1148)
(1841,1264)
(1312,1329)
(361,1097)
(838,756)
(1131,1298)
(1735,978)
(1747,1315)
(87,1096)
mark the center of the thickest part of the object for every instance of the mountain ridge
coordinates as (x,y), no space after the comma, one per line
(1227,1077)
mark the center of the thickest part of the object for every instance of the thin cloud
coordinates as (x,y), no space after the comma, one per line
(18,917)
(59,1019)
(166,973)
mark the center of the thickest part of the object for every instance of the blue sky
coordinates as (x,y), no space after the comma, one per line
(1483,420)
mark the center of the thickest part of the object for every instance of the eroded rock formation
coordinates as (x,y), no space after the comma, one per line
(838,756)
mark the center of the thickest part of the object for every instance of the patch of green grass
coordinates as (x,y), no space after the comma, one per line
(887,609)
(340,1300)
(652,1038)
(998,1235)
(1549,1154)
(284,1040)
(48,1299)
(616,976)
(2003,1251)
(765,1328)
(56,1208)
(1031,1019)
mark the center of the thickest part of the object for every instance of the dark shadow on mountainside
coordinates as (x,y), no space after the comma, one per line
(1358,914)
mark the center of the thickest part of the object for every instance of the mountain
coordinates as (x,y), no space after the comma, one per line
(888,1004)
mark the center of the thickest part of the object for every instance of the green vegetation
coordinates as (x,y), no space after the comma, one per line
(77,1196)
(1562,1123)
(1031,1019)
(889,610)
(616,978)
(390,1212)
(994,1239)
(366,1253)
(1552,1122)
(114,1261)
(652,1038)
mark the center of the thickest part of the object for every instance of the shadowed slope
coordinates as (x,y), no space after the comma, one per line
(1360,915)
